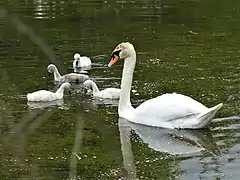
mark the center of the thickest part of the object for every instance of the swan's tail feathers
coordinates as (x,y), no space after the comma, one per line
(204,119)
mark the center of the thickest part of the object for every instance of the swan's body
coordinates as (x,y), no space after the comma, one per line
(168,110)
(178,111)
(81,61)
(108,93)
(71,77)
(44,95)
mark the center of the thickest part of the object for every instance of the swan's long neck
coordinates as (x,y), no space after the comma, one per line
(60,90)
(94,88)
(126,83)
(57,75)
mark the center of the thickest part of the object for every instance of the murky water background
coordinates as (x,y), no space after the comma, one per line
(190,47)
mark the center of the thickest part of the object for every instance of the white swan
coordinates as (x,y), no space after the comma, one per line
(108,93)
(81,61)
(44,95)
(168,110)
(71,77)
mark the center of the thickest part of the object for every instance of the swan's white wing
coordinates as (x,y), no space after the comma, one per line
(41,95)
(168,110)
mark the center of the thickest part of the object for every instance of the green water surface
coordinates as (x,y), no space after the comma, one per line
(189,47)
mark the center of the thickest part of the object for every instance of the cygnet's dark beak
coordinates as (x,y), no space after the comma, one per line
(77,81)
(77,63)
(85,89)
(49,74)
(70,91)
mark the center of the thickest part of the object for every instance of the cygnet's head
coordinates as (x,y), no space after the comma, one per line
(51,68)
(76,56)
(88,84)
(122,51)
(66,85)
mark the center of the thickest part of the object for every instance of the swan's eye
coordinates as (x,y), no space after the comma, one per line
(116,53)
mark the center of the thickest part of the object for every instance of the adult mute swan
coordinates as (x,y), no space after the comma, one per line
(81,61)
(71,77)
(44,95)
(169,110)
(108,93)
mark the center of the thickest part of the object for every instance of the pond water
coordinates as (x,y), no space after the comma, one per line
(189,47)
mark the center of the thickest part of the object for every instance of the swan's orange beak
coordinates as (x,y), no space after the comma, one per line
(114,59)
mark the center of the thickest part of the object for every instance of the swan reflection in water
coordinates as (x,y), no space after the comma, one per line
(100,101)
(174,141)
(40,105)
